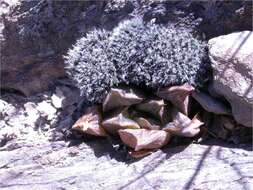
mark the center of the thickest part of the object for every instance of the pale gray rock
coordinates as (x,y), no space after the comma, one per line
(7,109)
(210,104)
(32,119)
(47,110)
(57,98)
(95,166)
(32,114)
(3,104)
(232,62)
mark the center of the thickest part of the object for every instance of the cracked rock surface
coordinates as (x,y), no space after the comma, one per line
(32,158)
(93,165)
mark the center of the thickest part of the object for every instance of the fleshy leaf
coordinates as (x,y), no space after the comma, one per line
(180,119)
(119,97)
(147,123)
(156,108)
(89,123)
(210,104)
(119,120)
(183,126)
(178,96)
(193,129)
(140,153)
(140,139)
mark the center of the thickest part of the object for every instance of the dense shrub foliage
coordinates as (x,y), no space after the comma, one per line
(156,55)
(136,53)
(87,64)
(127,50)
(175,56)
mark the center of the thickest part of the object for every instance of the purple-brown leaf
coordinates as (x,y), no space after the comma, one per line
(156,108)
(183,126)
(119,97)
(89,123)
(178,96)
(140,139)
(140,153)
(147,123)
(119,120)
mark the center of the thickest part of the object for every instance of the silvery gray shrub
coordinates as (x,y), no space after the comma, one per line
(127,50)
(175,56)
(89,67)
(156,55)
(144,54)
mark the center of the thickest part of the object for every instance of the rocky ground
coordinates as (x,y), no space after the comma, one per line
(42,117)
(34,154)
(37,149)
(93,165)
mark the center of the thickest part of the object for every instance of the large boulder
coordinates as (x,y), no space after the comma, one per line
(232,61)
